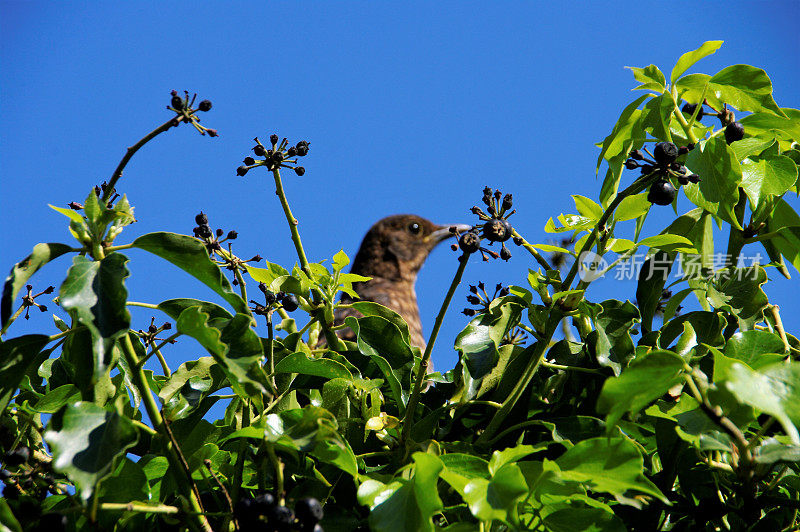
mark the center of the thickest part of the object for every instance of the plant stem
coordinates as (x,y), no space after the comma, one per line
(139,507)
(634,188)
(533,251)
(773,310)
(154,413)
(145,305)
(129,153)
(238,469)
(530,370)
(12,319)
(408,421)
(271,354)
(276,463)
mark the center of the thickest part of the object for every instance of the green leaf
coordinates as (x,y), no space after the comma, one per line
(85,440)
(374,352)
(750,346)
(610,465)
(646,379)
(650,77)
(707,325)
(94,291)
(192,371)
(652,278)
(746,88)
(174,307)
(669,242)
(760,123)
(786,220)
(578,519)
(54,400)
(466,465)
(415,499)
(370,308)
(763,178)
(340,260)
(656,116)
(632,207)
(720,175)
(587,208)
(128,483)
(318,367)
(742,288)
(19,356)
(690,58)
(24,270)
(190,255)
(236,347)
(628,126)
(69,213)
(8,523)
(266,275)
(773,390)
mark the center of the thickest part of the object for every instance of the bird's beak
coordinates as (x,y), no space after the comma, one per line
(443,232)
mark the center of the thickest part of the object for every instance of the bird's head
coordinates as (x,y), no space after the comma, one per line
(396,247)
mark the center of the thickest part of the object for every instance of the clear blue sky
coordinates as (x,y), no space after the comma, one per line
(408,109)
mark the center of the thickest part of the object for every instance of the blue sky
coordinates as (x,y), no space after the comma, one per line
(407,109)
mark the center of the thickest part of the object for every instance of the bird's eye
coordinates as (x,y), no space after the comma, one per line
(414,228)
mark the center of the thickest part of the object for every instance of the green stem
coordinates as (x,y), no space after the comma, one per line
(570,368)
(530,370)
(154,413)
(240,279)
(278,465)
(271,354)
(330,336)
(129,153)
(12,319)
(238,470)
(760,238)
(533,251)
(408,421)
(145,305)
(139,507)
(736,236)
(111,249)
(635,187)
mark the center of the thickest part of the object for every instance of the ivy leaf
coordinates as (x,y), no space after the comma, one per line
(785,220)
(587,207)
(773,390)
(610,465)
(652,278)
(24,270)
(766,177)
(86,440)
(632,207)
(742,288)
(318,367)
(18,357)
(746,88)
(371,346)
(628,126)
(759,123)
(55,399)
(646,379)
(266,275)
(669,242)
(650,77)
(95,292)
(190,255)
(750,346)
(690,58)
(174,307)
(720,173)
(340,260)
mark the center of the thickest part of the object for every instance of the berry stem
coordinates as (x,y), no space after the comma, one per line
(129,153)
(533,251)
(413,401)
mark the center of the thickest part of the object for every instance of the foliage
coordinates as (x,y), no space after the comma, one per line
(694,426)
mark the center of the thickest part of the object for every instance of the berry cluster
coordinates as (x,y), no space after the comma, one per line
(734,130)
(184,107)
(28,300)
(150,336)
(481,299)
(24,475)
(99,191)
(281,299)
(495,226)
(278,156)
(213,239)
(663,161)
(264,513)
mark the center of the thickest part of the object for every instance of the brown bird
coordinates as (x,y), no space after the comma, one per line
(392,253)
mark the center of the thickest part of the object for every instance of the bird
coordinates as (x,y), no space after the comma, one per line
(392,254)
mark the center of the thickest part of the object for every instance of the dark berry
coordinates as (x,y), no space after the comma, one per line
(468,312)
(694,178)
(281,518)
(662,192)
(212,132)
(242,170)
(204,106)
(203,231)
(219,232)
(18,456)
(291,152)
(177,102)
(689,109)
(308,511)
(249,161)
(473,289)
(259,150)
(637,154)
(232,235)
(733,132)
(683,150)
(299,170)
(647,168)
(665,153)
(469,242)
(245,511)
(497,230)
(505,254)
(290,303)
(201,219)
(630,164)
(683,180)
(75,206)
(264,503)
(504,291)
(273,139)
(473,300)
(43,308)
(508,201)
